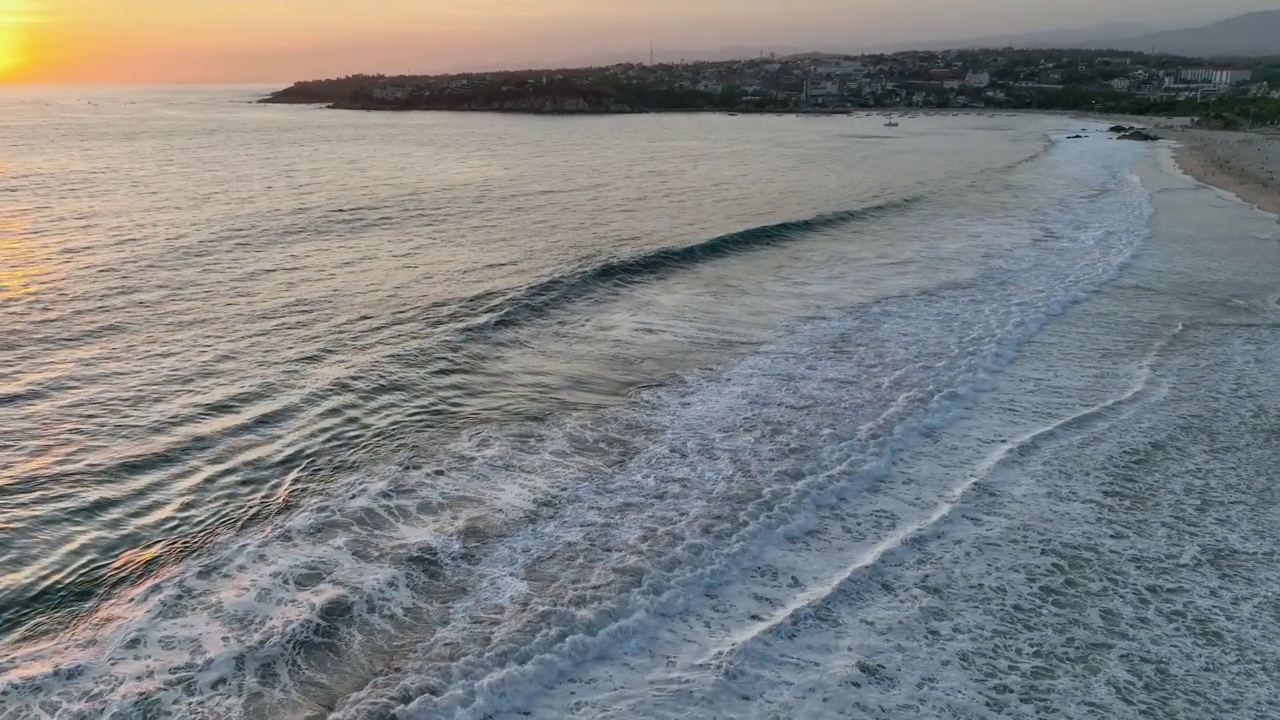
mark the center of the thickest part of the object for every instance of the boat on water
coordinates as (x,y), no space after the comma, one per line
(733,114)
(891,123)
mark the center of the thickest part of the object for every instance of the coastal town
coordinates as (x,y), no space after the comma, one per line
(1008,78)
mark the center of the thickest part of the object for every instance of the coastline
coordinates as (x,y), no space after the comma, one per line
(1244,164)
(886,110)
(789,467)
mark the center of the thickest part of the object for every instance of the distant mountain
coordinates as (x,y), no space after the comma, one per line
(1250,35)
(1042,39)
(1079,37)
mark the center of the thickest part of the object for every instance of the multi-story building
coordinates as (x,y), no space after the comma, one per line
(978,78)
(1194,76)
(390,92)
(1227,76)
(822,90)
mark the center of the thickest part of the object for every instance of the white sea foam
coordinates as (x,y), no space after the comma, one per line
(1098,565)
(950,502)
(635,532)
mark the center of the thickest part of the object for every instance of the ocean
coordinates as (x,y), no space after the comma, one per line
(322,414)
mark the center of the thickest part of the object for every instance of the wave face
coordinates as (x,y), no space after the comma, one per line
(625,467)
(609,274)
(216,312)
(1092,538)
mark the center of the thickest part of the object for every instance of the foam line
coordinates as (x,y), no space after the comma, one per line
(951,501)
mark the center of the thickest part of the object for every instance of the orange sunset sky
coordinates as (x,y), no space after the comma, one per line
(160,41)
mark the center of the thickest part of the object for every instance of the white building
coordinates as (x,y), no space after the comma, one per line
(1227,76)
(1120,84)
(1188,76)
(825,89)
(390,92)
(978,79)
(462,86)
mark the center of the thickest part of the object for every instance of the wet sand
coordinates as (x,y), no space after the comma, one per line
(1246,164)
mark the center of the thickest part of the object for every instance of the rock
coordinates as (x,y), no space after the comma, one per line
(1218,121)
(1074,137)
(1140,136)
(1120,129)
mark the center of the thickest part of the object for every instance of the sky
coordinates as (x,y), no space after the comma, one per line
(181,41)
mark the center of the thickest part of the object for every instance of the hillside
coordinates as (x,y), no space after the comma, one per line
(356,93)
(1074,37)
(1252,35)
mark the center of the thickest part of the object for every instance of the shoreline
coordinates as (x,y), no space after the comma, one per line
(1246,165)
(878,110)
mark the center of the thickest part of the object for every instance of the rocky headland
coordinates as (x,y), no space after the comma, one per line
(546,99)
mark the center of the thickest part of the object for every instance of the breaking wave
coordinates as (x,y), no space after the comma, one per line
(459,583)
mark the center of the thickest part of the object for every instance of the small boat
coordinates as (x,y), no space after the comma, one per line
(733,114)
(891,123)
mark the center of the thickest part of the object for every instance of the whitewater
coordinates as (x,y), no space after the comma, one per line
(967,421)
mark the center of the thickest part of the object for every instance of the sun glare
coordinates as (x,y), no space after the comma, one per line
(11,57)
(16,16)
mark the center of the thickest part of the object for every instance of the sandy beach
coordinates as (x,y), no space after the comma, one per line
(1247,164)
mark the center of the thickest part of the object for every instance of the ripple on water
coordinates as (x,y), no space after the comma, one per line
(420,585)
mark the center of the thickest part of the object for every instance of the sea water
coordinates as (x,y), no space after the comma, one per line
(323,414)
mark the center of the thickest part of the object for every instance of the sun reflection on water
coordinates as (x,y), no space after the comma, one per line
(22,271)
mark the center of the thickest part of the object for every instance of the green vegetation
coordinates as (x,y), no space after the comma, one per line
(1259,111)
(1065,80)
